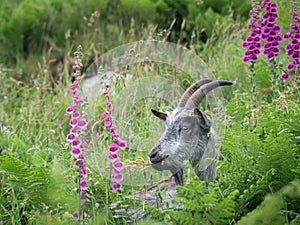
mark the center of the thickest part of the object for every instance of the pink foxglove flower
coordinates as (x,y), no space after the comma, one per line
(116,143)
(263,29)
(253,41)
(293,48)
(285,76)
(77,133)
(270,29)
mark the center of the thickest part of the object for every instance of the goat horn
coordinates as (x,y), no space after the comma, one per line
(197,97)
(190,91)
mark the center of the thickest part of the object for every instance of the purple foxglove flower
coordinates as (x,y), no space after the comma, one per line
(286,36)
(113,148)
(295,41)
(76,114)
(70,110)
(115,145)
(273,5)
(83,171)
(267,51)
(83,184)
(253,41)
(256,52)
(248,53)
(74,129)
(249,39)
(295,55)
(121,144)
(75,152)
(257,45)
(112,157)
(245,44)
(289,47)
(118,165)
(267,46)
(270,56)
(246,59)
(82,123)
(112,127)
(76,215)
(271,20)
(76,143)
(277,28)
(290,66)
(285,76)
(275,44)
(290,52)
(73,122)
(276,51)
(264,36)
(82,155)
(118,176)
(270,39)
(105,116)
(256,39)
(72,86)
(79,99)
(106,102)
(71,137)
(84,198)
(115,135)
(116,185)
(107,124)
(254,58)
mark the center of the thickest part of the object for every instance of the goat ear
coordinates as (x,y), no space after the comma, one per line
(204,119)
(160,115)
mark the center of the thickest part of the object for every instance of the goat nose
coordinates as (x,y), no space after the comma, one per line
(153,154)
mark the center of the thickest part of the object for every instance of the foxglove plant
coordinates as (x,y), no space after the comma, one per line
(265,35)
(77,134)
(270,29)
(293,48)
(116,144)
(253,41)
(263,29)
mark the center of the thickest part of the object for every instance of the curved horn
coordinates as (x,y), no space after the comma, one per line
(190,91)
(197,97)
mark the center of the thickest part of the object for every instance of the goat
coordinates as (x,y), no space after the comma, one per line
(188,135)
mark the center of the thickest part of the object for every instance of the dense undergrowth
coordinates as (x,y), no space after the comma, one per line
(259,169)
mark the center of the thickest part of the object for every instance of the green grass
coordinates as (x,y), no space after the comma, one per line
(259,168)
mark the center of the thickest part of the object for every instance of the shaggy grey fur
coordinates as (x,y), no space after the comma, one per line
(188,135)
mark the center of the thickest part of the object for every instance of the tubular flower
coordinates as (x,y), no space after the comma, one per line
(116,143)
(266,31)
(293,48)
(253,41)
(285,76)
(77,133)
(270,33)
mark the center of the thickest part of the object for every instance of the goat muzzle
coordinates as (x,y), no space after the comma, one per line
(156,158)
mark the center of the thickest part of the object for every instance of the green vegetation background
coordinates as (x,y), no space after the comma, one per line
(258,179)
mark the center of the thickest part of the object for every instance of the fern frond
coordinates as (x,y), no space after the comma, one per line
(30,180)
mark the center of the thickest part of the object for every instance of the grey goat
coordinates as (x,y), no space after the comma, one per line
(188,135)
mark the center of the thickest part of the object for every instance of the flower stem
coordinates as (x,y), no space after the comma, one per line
(79,196)
(253,82)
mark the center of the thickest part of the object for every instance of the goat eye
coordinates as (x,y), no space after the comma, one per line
(183,129)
